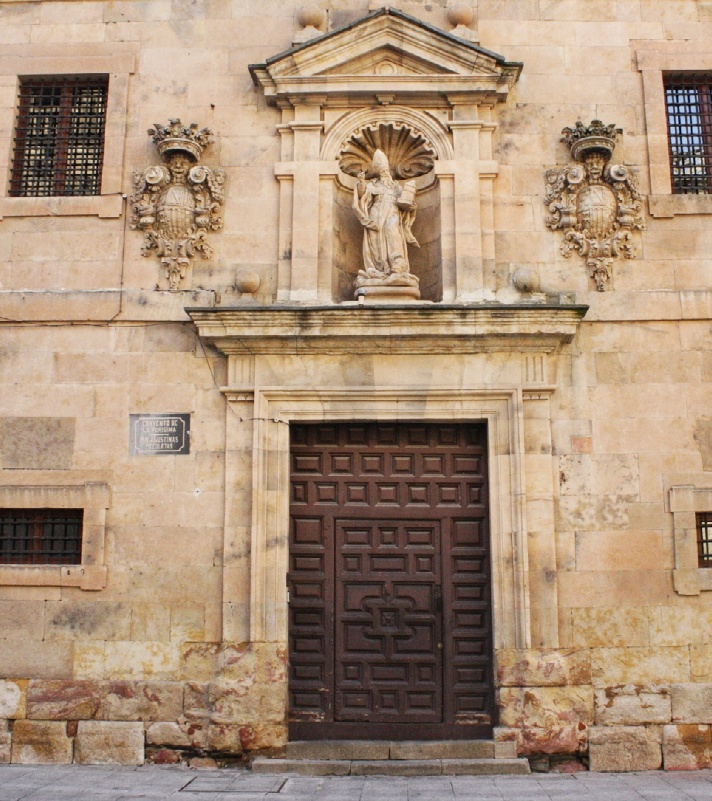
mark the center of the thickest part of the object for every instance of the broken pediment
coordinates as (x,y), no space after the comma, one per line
(387,51)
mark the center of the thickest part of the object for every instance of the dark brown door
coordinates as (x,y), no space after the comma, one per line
(390,630)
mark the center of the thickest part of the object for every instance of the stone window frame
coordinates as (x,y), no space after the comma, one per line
(94,498)
(686,501)
(653,60)
(118,61)
(274,408)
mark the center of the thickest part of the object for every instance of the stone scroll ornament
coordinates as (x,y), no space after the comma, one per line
(597,205)
(376,156)
(178,202)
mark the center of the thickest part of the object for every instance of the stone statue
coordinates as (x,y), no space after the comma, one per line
(178,202)
(386,210)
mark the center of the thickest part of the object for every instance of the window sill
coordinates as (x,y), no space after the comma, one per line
(95,499)
(86,577)
(96,205)
(670,205)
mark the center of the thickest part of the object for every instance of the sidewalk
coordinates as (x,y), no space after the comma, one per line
(80,783)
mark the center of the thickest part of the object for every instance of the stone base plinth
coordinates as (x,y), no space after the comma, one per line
(387,294)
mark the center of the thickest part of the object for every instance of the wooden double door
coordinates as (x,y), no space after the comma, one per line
(390,625)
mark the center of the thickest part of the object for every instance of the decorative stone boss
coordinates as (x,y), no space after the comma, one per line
(596,204)
(176,203)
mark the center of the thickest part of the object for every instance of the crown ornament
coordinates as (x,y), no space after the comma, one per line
(595,136)
(178,138)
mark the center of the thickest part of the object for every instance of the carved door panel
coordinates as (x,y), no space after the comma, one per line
(390,613)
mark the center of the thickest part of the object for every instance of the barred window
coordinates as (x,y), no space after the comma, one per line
(688,99)
(59,136)
(704,538)
(41,536)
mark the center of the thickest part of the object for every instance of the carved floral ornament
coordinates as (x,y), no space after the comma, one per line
(177,202)
(597,205)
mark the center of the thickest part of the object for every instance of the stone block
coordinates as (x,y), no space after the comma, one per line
(224,738)
(625,748)
(63,700)
(167,733)
(141,700)
(687,747)
(37,443)
(691,703)
(5,743)
(545,707)
(13,699)
(256,737)
(109,743)
(41,742)
(567,739)
(543,668)
(633,705)
(612,666)
(72,620)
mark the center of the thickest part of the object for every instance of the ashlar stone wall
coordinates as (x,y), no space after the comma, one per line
(144,656)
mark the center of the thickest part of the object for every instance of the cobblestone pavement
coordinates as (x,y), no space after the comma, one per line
(80,783)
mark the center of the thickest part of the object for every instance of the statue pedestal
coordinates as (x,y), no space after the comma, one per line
(387,294)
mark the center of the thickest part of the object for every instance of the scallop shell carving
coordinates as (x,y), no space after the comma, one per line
(409,152)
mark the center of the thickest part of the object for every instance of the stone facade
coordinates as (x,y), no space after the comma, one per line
(168,642)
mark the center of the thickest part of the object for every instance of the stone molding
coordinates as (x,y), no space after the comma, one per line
(685,502)
(276,407)
(433,64)
(118,60)
(94,499)
(431,328)
(653,59)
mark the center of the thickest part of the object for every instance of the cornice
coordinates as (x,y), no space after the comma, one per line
(387,329)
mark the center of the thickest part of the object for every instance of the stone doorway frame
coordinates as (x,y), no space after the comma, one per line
(276,407)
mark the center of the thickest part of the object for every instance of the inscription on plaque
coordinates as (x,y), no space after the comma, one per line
(157,434)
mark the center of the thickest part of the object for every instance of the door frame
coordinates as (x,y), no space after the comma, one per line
(273,408)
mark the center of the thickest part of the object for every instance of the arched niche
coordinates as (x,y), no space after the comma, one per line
(413,141)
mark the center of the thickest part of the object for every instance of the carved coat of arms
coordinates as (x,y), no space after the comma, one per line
(176,203)
(597,205)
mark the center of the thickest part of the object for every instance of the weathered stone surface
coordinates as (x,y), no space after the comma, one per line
(632,705)
(63,700)
(40,742)
(163,756)
(545,707)
(224,738)
(687,747)
(167,733)
(13,699)
(37,443)
(613,666)
(337,749)
(255,737)
(624,748)
(542,668)
(109,743)
(691,703)
(149,700)
(569,739)
(196,700)
(71,620)
(5,743)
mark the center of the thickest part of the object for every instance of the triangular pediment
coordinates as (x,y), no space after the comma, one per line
(385,51)
(385,61)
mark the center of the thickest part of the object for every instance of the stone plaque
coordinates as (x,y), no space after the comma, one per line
(156,434)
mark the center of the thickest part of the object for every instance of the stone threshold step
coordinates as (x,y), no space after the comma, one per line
(385,749)
(392,767)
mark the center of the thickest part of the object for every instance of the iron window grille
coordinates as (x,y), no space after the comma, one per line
(59,136)
(41,536)
(704,539)
(688,100)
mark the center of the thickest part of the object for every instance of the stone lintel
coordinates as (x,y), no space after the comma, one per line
(387,329)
